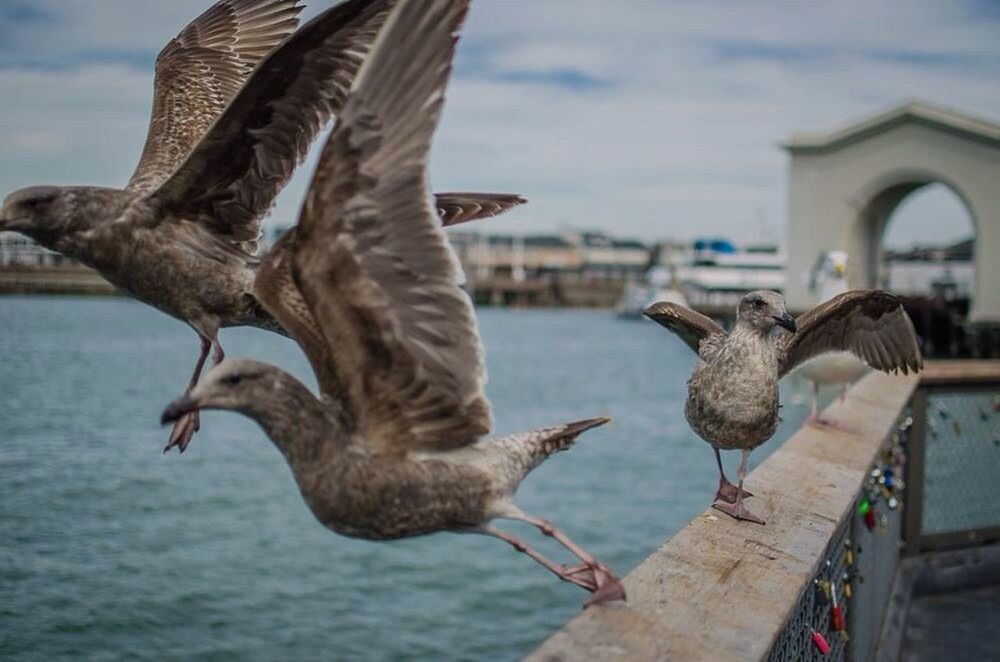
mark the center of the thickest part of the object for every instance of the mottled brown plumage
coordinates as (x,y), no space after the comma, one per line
(871,324)
(225,137)
(732,400)
(368,286)
(200,71)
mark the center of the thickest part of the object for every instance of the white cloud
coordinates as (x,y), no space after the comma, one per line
(678,135)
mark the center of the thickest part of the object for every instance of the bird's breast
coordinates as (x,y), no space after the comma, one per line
(734,404)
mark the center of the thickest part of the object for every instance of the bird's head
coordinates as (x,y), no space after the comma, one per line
(282,405)
(40,212)
(236,385)
(763,310)
(835,264)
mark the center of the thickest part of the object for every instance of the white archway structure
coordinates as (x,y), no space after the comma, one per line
(844,185)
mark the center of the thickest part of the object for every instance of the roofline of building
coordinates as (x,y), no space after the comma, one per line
(914,111)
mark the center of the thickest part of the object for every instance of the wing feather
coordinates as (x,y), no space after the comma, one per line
(456,208)
(871,324)
(200,71)
(229,180)
(372,261)
(690,326)
(275,288)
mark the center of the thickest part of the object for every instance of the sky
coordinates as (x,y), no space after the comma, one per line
(643,118)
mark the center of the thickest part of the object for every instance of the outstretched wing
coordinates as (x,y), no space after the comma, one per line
(455,208)
(372,261)
(871,324)
(230,179)
(275,288)
(690,326)
(200,71)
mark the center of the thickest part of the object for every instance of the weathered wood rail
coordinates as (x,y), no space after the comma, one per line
(727,590)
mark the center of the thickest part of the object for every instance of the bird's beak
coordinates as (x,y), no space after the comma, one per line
(785,321)
(838,269)
(182,405)
(14,224)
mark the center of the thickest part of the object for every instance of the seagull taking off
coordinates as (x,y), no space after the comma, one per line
(238,99)
(732,400)
(368,286)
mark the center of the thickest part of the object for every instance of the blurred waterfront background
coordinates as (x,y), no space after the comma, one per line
(660,147)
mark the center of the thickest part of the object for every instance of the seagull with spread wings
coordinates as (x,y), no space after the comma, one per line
(395,447)
(732,400)
(238,98)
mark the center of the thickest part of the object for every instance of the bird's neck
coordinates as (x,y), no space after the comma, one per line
(302,427)
(748,338)
(748,332)
(831,287)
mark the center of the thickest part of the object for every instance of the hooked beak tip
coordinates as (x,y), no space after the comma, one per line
(786,321)
(176,409)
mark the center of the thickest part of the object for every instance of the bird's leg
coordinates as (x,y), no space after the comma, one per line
(738,510)
(814,416)
(560,571)
(218,356)
(726,491)
(814,407)
(188,424)
(607,586)
(843,393)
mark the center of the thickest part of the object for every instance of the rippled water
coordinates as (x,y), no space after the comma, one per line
(111,549)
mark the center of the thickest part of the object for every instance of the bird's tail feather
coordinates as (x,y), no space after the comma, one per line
(530,449)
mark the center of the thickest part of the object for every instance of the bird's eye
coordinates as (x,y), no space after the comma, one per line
(759,303)
(232,380)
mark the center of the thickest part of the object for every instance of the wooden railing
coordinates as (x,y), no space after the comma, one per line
(727,590)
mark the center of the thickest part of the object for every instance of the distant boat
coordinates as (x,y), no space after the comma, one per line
(714,275)
(718,266)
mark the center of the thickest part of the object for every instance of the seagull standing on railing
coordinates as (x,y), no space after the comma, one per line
(732,400)
(369,288)
(238,98)
(829,278)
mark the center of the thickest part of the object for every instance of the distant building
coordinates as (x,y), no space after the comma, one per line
(571,256)
(18,250)
(608,258)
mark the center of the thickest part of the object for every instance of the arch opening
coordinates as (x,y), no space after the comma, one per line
(927,248)
(920,244)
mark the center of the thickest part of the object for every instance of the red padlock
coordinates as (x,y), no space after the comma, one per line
(820,643)
(836,614)
(870,519)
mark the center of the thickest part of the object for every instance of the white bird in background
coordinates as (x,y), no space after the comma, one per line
(829,277)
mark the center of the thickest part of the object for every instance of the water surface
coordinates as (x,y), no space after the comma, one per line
(112,550)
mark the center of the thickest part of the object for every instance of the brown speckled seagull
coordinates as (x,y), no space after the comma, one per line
(237,102)
(395,447)
(732,400)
